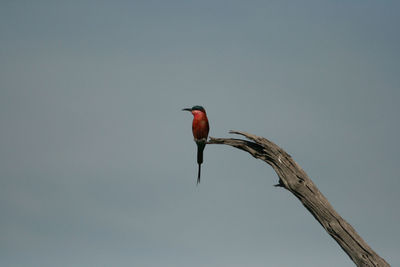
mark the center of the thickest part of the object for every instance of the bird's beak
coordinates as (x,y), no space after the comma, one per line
(187,109)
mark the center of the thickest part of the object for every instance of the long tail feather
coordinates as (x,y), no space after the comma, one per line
(198,176)
(200,149)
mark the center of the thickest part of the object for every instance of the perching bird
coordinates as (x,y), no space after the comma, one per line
(200,130)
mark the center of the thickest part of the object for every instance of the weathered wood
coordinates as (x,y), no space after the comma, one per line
(293,178)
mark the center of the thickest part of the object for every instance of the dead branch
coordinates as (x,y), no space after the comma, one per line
(293,178)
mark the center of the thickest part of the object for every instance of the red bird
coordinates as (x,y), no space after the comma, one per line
(200,130)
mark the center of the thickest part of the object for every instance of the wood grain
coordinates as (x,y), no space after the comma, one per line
(293,178)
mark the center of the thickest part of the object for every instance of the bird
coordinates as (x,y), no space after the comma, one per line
(200,129)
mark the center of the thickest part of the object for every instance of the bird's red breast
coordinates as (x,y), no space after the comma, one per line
(200,125)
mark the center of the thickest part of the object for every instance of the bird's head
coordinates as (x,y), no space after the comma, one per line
(195,110)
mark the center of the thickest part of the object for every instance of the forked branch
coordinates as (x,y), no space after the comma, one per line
(293,178)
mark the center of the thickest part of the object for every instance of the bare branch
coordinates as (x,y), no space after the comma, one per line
(293,178)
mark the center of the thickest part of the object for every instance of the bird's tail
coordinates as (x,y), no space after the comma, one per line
(200,149)
(198,176)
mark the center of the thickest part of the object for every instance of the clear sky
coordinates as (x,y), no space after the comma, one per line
(97,160)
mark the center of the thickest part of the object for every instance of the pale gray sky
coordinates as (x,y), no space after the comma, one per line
(97,161)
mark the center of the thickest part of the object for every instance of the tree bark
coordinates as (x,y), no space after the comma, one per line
(293,178)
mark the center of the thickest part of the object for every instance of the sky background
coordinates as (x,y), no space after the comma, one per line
(97,160)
